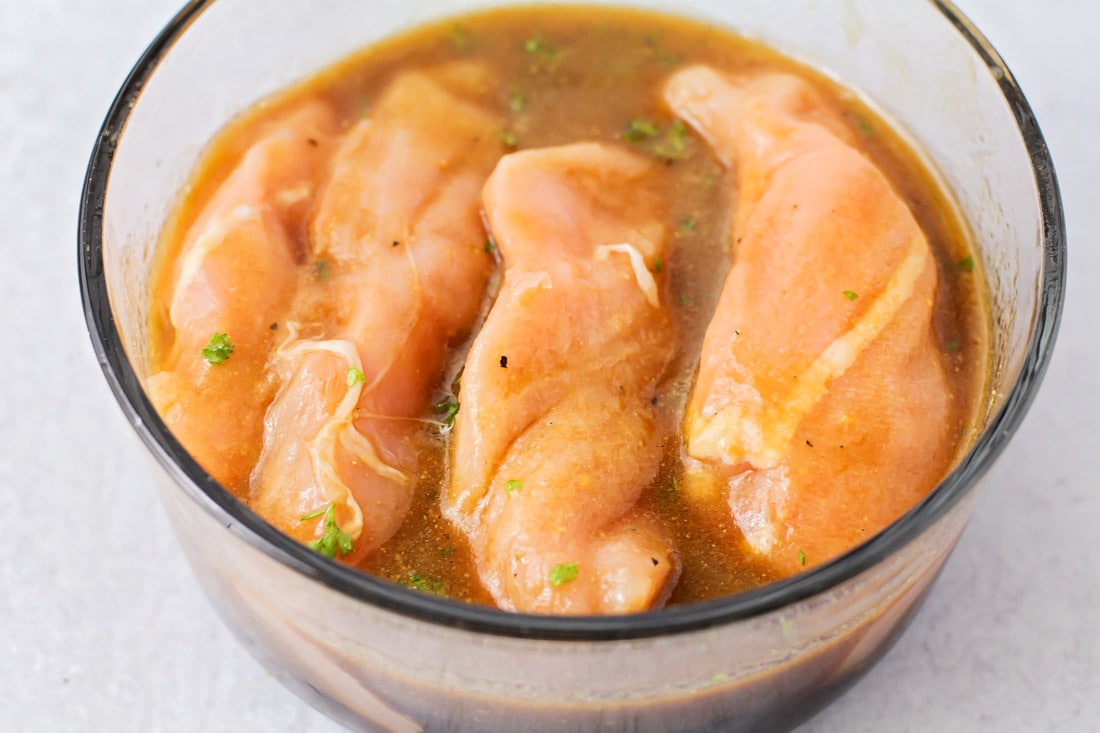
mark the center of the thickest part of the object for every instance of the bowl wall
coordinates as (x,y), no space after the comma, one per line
(376,669)
(381,658)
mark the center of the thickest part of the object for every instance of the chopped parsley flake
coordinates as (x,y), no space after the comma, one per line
(321,269)
(802,558)
(416,581)
(355,376)
(508,138)
(687,225)
(513,485)
(517,102)
(865,128)
(460,38)
(684,300)
(533,45)
(219,349)
(966,264)
(565,573)
(490,245)
(664,56)
(851,294)
(674,145)
(671,146)
(668,58)
(640,130)
(448,408)
(658,265)
(540,47)
(333,539)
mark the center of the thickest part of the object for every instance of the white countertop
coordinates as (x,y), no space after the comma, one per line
(102,626)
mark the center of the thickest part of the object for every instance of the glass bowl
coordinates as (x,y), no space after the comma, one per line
(381,657)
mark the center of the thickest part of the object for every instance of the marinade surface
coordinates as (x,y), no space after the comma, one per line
(560,75)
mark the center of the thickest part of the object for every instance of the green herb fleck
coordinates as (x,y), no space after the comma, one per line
(490,245)
(539,46)
(219,349)
(952,346)
(460,38)
(684,300)
(321,269)
(640,130)
(416,581)
(802,558)
(687,225)
(670,492)
(355,376)
(513,485)
(966,264)
(565,573)
(517,102)
(508,138)
(674,144)
(664,56)
(851,294)
(658,265)
(865,128)
(448,408)
(447,551)
(669,58)
(333,539)
(546,53)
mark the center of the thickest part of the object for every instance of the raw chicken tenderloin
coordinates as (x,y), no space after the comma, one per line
(557,435)
(821,399)
(398,229)
(236,268)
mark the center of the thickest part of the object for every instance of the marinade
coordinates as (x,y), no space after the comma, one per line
(538,78)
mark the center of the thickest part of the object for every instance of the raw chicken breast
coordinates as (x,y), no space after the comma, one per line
(399,235)
(236,268)
(558,435)
(821,399)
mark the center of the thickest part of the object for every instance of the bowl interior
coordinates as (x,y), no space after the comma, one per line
(979,134)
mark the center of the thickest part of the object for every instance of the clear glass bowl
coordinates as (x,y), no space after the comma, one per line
(381,657)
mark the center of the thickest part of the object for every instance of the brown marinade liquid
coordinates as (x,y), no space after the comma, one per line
(565,74)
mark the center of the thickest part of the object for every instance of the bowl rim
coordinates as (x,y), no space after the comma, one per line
(383,595)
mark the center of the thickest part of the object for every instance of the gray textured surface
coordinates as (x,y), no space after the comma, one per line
(103,628)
